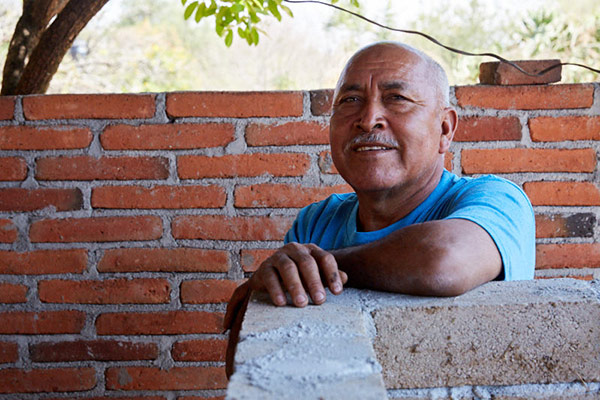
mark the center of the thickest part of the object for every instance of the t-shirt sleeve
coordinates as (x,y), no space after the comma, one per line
(504,211)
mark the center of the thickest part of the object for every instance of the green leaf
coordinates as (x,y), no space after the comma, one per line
(237,8)
(200,12)
(287,10)
(219,28)
(254,34)
(241,33)
(190,9)
(273,8)
(229,38)
(183,2)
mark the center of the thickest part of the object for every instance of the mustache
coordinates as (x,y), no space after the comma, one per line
(369,139)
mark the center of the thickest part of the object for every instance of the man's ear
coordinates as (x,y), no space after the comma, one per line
(449,124)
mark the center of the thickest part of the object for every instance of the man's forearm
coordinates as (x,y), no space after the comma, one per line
(438,258)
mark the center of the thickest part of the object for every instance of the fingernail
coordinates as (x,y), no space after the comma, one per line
(279,300)
(300,299)
(336,287)
(319,296)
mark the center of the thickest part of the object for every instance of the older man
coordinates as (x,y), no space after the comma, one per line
(410,227)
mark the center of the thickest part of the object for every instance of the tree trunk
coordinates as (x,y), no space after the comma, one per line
(34,20)
(54,44)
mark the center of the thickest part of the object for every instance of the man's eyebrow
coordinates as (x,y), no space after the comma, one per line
(394,85)
(349,87)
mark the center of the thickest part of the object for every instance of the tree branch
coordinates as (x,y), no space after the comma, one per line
(29,29)
(54,44)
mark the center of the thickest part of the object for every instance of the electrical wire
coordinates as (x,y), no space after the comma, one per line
(437,42)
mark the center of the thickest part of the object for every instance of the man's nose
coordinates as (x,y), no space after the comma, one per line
(371,117)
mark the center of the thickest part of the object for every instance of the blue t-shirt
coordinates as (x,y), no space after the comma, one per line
(497,205)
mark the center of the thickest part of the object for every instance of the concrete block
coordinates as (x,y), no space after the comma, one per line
(502,333)
(305,353)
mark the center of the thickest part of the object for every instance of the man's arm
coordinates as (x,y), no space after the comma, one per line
(437,258)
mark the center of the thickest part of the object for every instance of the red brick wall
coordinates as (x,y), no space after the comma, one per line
(127,220)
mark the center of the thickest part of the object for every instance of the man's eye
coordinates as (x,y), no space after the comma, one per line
(397,97)
(348,99)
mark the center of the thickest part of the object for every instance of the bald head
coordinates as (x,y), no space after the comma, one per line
(436,74)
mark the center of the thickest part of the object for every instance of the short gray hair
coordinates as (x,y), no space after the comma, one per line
(439,75)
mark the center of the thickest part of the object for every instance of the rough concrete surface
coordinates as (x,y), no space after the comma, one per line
(317,352)
(500,334)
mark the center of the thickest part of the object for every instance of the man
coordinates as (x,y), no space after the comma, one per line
(410,227)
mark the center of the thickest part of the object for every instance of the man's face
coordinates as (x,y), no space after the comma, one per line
(386,126)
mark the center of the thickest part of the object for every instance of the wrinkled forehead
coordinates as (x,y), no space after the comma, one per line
(383,63)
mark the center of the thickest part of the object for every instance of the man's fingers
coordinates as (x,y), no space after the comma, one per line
(288,271)
(331,276)
(344,277)
(269,277)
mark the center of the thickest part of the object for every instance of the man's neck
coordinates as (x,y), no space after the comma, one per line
(378,210)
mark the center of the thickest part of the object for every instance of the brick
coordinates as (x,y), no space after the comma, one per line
(92,350)
(44,138)
(9,352)
(562,193)
(569,274)
(557,129)
(501,73)
(252,258)
(166,136)
(207,291)
(568,255)
(42,322)
(448,160)
(291,133)
(7,107)
(8,232)
(13,169)
(17,199)
(235,104)
(321,101)
(87,168)
(47,380)
(282,195)
(284,164)
(164,260)
(95,106)
(326,163)
(171,197)
(478,129)
(110,291)
(199,350)
(159,323)
(220,227)
(176,378)
(526,97)
(42,262)
(12,293)
(561,225)
(489,161)
(96,229)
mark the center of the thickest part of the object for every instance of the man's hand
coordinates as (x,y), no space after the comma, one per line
(296,269)
(299,269)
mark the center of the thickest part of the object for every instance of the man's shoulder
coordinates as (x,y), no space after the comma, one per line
(330,205)
(487,184)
